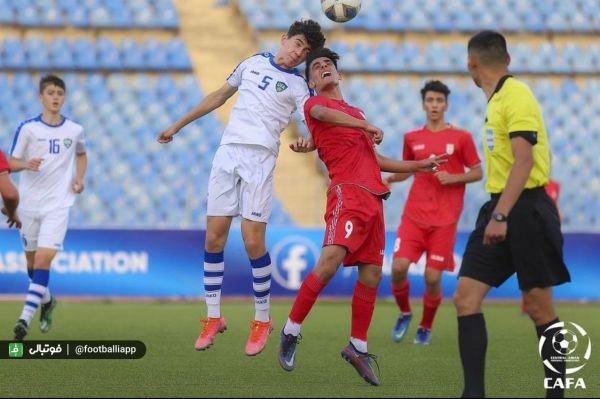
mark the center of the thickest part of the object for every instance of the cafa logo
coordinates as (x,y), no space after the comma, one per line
(280,86)
(67,142)
(571,348)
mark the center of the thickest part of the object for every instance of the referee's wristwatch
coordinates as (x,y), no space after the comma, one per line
(499,217)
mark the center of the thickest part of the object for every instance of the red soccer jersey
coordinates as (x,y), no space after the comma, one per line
(429,202)
(4,167)
(347,152)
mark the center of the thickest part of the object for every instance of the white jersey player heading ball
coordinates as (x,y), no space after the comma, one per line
(241,179)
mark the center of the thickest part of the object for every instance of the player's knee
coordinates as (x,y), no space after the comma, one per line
(464,303)
(255,247)
(400,269)
(214,242)
(433,281)
(540,313)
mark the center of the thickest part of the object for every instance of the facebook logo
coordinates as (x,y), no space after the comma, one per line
(293,257)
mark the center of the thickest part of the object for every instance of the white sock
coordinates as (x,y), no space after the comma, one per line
(292,328)
(359,344)
(213,280)
(261,285)
(47,297)
(32,301)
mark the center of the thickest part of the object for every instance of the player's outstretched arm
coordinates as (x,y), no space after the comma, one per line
(17,165)
(208,104)
(303,144)
(474,174)
(397,177)
(10,197)
(340,118)
(424,165)
(81,167)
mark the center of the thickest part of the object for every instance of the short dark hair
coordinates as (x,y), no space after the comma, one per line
(490,46)
(311,31)
(437,86)
(318,53)
(48,80)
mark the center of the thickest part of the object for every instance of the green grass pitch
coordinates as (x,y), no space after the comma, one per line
(172,368)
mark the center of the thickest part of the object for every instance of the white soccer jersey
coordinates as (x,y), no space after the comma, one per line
(49,188)
(269,94)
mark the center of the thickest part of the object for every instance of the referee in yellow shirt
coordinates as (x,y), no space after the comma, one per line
(518,229)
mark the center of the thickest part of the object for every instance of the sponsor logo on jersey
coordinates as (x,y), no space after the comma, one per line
(254,72)
(280,86)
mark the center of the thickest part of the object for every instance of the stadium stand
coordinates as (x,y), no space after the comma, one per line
(384,73)
(129,73)
(123,90)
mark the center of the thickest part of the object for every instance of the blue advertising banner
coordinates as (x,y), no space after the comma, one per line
(168,263)
(137,263)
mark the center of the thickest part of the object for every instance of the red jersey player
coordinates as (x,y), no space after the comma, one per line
(9,194)
(434,205)
(354,233)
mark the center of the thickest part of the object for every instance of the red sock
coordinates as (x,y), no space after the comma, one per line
(400,292)
(307,295)
(430,306)
(363,305)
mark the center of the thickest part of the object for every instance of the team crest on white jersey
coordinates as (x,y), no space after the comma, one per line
(67,142)
(280,86)
(449,149)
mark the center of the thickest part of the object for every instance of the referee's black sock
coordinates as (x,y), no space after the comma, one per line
(547,353)
(472,344)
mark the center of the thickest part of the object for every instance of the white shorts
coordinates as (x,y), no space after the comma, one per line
(241,182)
(44,230)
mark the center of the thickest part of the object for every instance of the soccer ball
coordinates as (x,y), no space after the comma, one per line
(564,341)
(340,10)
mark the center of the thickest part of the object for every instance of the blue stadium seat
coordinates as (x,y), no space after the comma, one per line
(131,54)
(14,53)
(36,53)
(7,13)
(60,53)
(84,53)
(155,55)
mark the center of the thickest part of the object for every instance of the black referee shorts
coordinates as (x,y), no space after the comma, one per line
(532,249)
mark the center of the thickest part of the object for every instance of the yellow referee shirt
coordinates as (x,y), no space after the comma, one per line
(514,111)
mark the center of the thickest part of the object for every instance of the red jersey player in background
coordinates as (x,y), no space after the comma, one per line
(355,231)
(9,194)
(434,205)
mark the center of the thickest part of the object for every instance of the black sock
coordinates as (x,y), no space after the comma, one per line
(472,344)
(547,353)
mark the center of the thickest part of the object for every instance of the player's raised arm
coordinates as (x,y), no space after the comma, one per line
(424,165)
(339,118)
(397,177)
(208,104)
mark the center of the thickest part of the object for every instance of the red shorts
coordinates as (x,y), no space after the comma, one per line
(354,219)
(414,238)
